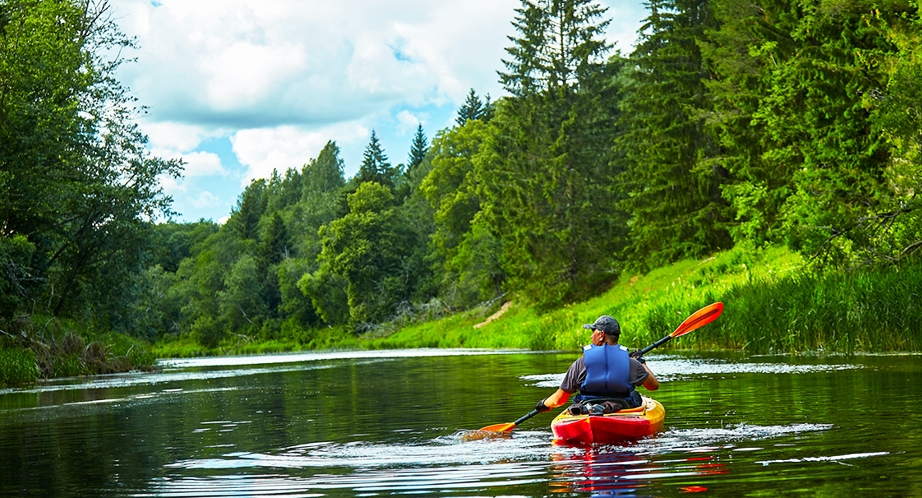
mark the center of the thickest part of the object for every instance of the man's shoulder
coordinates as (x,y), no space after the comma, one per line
(587,347)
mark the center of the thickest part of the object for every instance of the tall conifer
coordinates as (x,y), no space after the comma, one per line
(673,182)
(375,167)
(418,149)
(473,108)
(547,178)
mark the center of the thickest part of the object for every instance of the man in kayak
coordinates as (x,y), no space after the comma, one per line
(605,375)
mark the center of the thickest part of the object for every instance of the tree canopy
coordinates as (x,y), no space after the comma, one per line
(731,123)
(78,188)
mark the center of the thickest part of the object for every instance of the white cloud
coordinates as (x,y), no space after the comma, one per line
(285,147)
(179,141)
(280,78)
(269,63)
(202,164)
(625,21)
(407,122)
(206,200)
(313,62)
(245,74)
(174,136)
(171,186)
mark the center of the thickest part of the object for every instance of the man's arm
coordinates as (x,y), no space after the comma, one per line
(559,398)
(575,374)
(650,382)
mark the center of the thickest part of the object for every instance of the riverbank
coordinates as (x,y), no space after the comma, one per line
(65,349)
(772,306)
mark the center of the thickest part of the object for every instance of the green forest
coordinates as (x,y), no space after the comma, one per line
(733,127)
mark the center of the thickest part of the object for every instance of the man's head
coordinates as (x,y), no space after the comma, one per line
(608,325)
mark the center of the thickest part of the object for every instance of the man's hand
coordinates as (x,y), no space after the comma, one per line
(541,407)
(636,355)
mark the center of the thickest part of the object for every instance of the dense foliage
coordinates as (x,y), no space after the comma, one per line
(732,124)
(77,186)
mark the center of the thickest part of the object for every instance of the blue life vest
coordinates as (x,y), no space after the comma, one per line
(608,369)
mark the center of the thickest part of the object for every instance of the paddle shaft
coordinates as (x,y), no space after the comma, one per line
(526,417)
(652,346)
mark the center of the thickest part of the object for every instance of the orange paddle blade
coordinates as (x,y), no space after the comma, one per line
(698,319)
(499,427)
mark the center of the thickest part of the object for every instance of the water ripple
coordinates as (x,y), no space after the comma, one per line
(454,463)
(676,368)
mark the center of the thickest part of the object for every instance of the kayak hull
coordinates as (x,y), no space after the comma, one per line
(625,425)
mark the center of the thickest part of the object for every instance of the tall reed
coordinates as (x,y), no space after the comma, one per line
(17,366)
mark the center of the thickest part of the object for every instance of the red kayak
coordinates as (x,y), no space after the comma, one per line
(627,424)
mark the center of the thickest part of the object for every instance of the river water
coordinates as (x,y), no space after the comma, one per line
(389,423)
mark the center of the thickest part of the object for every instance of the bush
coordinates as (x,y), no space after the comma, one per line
(206,332)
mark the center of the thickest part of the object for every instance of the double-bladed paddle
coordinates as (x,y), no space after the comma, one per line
(697,320)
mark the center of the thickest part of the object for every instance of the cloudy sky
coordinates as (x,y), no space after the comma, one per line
(237,88)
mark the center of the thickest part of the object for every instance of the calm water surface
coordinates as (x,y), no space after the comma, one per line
(397,422)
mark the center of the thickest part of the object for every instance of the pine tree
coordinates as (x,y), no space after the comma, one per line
(546,174)
(794,96)
(375,167)
(323,174)
(322,201)
(276,243)
(250,207)
(418,149)
(274,248)
(472,108)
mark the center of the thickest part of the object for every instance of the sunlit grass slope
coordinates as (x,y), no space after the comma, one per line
(647,306)
(771,305)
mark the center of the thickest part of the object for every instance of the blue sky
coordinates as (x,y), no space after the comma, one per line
(237,88)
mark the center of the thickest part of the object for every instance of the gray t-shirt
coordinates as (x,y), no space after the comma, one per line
(576,374)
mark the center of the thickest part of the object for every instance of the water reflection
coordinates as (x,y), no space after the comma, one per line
(602,473)
(390,423)
(315,469)
(689,458)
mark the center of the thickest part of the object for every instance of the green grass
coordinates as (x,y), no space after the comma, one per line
(185,345)
(864,311)
(771,305)
(647,306)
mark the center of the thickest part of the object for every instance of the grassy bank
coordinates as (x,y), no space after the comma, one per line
(647,306)
(44,348)
(771,306)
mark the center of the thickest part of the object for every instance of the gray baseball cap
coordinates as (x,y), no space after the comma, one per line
(606,324)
